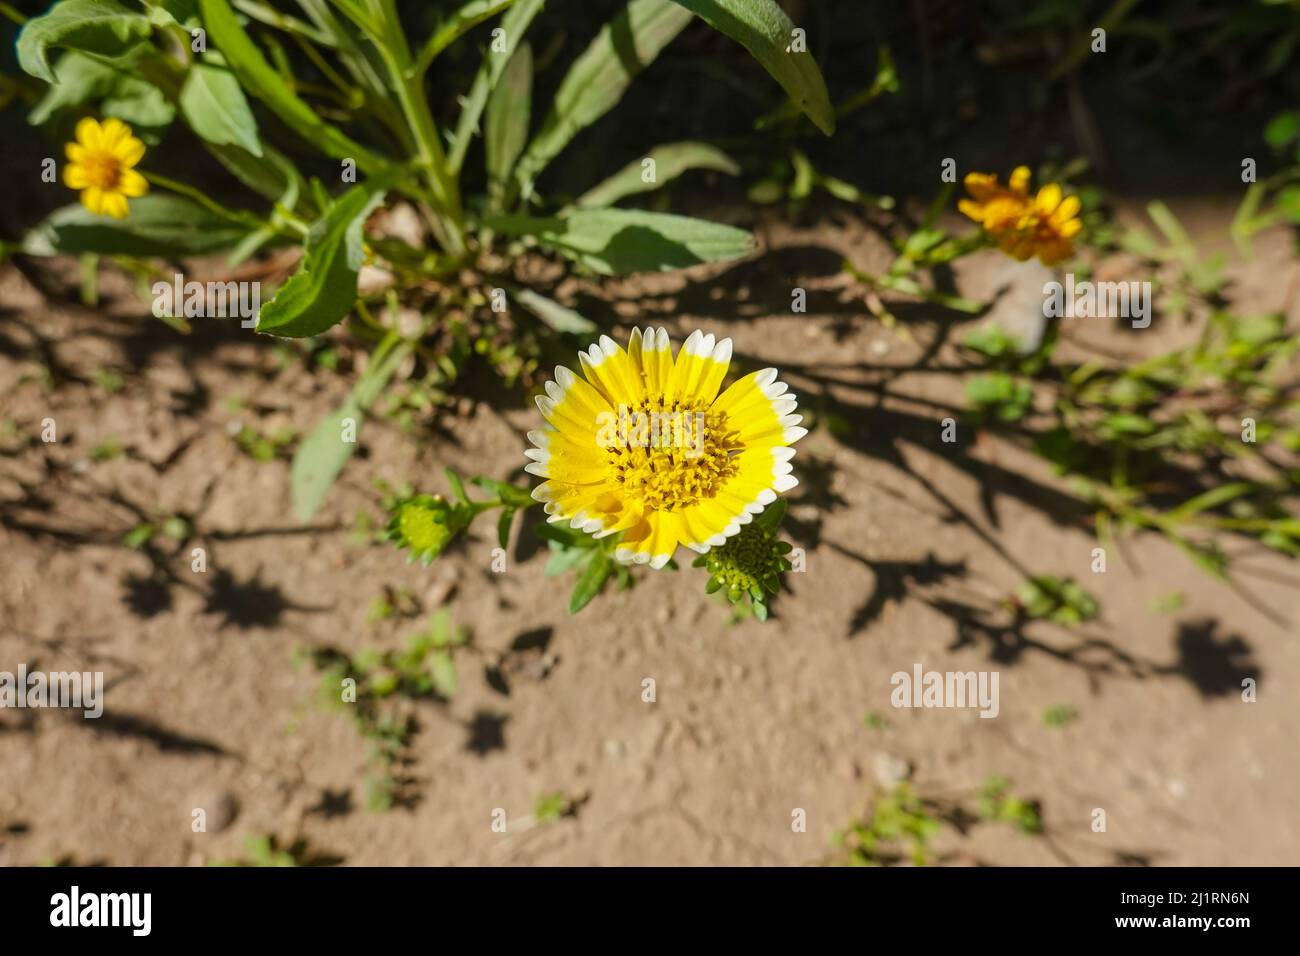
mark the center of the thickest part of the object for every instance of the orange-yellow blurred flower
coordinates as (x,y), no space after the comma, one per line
(1024,226)
(100,166)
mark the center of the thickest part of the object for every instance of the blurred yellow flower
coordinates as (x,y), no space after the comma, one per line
(100,166)
(1024,226)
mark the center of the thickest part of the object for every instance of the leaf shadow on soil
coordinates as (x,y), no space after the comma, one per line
(118,723)
(250,603)
(333,804)
(865,418)
(527,658)
(486,732)
(1215,664)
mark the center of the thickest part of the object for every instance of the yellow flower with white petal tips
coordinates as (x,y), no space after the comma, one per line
(100,166)
(645,445)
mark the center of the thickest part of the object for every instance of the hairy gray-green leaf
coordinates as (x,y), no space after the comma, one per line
(105,28)
(599,77)
(324,289)
(166,13)
(214,106)
(80,80)
(763,29)
(84,79)
(558,317)
(274,176)
(591,581)
(670,161)
(620,241)
(513,26)
(159,225)
(509,110)
(323,453)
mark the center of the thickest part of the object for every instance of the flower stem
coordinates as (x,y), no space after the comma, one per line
(409,89)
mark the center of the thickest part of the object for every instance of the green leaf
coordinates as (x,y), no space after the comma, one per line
(1207,556)
(457,486)
(564,536)
(103,27)
(1213,498)
(138,536)
(324,289)
(620,241)
(771,517)
(442,670)
(670,161)
(455,26)
(599,77)
(83,79)
(564,559)
(558,317)
(1126,423)
(551,807)
(159,225)
(1282,129)
(508,113)
(591,582)
(165,13)
(504,522)
(1288,202)
(513,25)
(512,495)
(258,77)
(323,453)
(214,106)
(762,28)
(272,176)
(80,80)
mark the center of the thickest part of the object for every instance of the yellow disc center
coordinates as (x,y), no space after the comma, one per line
(671,456)
(102,170)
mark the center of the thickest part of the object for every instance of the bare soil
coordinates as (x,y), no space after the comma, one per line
(910,545)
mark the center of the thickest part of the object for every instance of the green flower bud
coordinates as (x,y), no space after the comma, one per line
(750,563)
(424,524)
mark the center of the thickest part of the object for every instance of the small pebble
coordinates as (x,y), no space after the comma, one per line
(890,769)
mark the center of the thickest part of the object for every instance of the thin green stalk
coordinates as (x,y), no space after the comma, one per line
(450,31)
(409,89)
(282,21)
(242,217)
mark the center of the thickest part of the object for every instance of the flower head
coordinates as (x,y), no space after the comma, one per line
(100,166)
(645,445)
(1024,226)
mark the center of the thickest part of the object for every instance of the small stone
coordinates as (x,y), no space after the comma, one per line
(221,809)
(1018,308)
(890,769)
(372,280)
(404,223)
(442,587)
